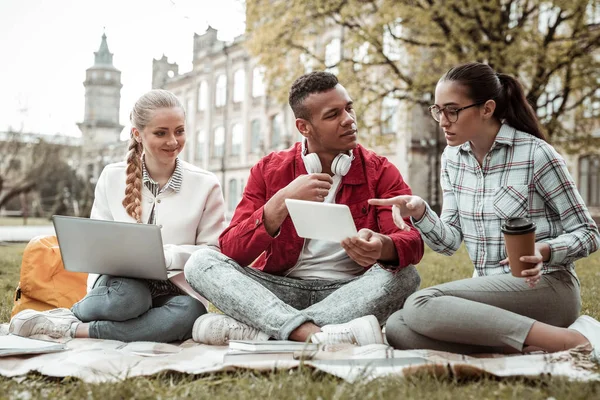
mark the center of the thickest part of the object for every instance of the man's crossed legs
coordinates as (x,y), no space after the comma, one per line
(262,305)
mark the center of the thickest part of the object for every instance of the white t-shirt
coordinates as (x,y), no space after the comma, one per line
(325,260)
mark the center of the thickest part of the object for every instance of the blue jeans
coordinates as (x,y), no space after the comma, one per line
(277,305)
(123,309)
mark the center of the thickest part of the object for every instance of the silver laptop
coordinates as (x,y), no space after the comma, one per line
(111,248)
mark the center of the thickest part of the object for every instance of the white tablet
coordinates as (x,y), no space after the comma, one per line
(322,221)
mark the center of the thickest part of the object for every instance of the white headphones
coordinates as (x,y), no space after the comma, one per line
(339,166)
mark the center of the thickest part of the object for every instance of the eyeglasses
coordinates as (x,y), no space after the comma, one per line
(450,112)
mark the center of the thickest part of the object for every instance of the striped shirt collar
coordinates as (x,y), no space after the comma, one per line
(505,136)
(174,181)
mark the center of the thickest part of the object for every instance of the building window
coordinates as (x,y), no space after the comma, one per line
(219,142)
(221,91)
(547,16)
(239,86)
(592,106)
(593,13)
(14,165)
(237,137)
(333,55)
(276,123)
(550,100)
(515,14)
(589,180)
(391,33)
(189,106)
(200,145)
(361,56)
(258,84)
(202,96)
(233,194)
(389,115)
(255,136)
(307,61)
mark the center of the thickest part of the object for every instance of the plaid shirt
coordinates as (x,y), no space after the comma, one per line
(520,176)
(161,288)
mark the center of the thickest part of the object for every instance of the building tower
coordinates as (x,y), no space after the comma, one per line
(100,127)
(162,71)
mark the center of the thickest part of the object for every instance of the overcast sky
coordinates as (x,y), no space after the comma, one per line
(46,46)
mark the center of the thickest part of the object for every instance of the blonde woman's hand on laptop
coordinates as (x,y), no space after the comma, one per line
(403,206)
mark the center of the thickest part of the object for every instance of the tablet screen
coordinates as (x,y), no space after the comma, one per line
(321,221)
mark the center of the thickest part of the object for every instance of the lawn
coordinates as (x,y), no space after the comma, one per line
(18,221)
(305,383)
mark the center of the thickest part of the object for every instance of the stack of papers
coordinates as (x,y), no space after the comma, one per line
(12,345)
(271,350)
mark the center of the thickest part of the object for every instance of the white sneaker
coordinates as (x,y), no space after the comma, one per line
(219,329)
(360,331)
(590,328)
(55,323)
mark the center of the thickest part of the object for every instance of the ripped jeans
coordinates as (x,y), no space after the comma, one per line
(277,305)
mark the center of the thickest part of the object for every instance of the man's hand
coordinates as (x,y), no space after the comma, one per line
(365,248)
(313,187)
(403,206)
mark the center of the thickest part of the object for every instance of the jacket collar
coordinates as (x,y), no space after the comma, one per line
(505,136)
(174,181)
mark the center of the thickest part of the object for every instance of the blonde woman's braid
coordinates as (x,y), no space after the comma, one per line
(133,189)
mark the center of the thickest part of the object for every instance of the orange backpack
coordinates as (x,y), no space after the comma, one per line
(44,284)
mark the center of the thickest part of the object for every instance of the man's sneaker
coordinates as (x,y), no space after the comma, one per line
(590,328)
(360,331)
(56,323)
(219,329)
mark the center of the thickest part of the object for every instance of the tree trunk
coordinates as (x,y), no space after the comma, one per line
(23,186)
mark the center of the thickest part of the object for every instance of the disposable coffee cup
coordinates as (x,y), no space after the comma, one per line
(519,239)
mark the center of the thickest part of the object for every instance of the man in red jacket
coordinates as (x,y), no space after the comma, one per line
(271,283)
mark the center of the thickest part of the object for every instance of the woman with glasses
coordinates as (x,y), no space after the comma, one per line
(497,166)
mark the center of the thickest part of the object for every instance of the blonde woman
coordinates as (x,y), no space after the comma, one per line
(152,187)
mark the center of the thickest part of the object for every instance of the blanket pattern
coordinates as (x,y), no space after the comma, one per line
(97,361)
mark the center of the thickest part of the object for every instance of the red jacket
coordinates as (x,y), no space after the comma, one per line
(371,176)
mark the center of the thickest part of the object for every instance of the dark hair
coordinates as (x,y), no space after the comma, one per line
(313,82)
(483,83)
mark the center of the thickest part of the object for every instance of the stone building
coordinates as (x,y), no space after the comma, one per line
(232,123)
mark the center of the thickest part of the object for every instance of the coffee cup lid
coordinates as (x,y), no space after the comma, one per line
(518,226)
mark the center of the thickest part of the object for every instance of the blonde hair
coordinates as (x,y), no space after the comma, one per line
(140,117)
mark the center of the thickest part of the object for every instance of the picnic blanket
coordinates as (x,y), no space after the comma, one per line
(97,361)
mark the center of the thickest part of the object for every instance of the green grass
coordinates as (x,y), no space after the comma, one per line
(306,383)
(14,221)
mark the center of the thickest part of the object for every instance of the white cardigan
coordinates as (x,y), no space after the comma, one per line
(189,219)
